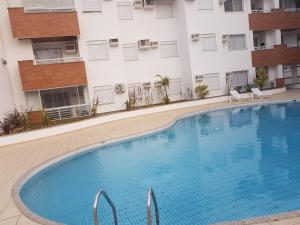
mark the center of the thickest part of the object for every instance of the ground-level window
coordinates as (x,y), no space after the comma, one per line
(239,78)
(130,52)
(125,10)
(237,42)
(212,81)
(168,49)
(97,50)
(175,87)
(233,5)
(104,94)
(205,4)
(208,42)
(164,11)
(62,97)
(89,6)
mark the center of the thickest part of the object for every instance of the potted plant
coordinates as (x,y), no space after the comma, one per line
(261,78)
(165,82)
(201,91)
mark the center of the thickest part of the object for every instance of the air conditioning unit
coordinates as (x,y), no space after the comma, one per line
(137,4)
(70,48)
(147,84)
(154,44)
(222,1)
(272,84)
(225,38)
(157,83)
(114,42)
(144,44)
(195,37)
(198,78)
(120,88)
(149,4)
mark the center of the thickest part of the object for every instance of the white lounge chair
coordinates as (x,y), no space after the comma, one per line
(238,97)
(259,94)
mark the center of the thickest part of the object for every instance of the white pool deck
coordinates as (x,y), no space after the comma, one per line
(20,158)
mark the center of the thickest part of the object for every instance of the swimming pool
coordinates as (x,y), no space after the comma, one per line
(213,167)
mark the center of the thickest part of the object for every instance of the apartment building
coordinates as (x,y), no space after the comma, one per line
(62,55)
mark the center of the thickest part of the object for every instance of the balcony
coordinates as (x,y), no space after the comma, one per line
(56,73)
(45,23)
(276,55)
(261,20)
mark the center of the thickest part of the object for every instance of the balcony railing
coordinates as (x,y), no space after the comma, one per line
(56,61)
(259,48)
(294,45)
(68,112)
(32,6)
(291,71)
(292,10)
(261,11)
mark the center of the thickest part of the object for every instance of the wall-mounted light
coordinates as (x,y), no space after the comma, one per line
(3,61)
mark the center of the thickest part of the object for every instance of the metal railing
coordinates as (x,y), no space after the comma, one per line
(97,202)
(261,11)
(292,80)
(57,61)
(292,9)
(68,112)
(294,45)
(150,196)
(31,6)
(259,48)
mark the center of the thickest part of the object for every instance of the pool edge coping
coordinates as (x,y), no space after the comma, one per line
(15,191)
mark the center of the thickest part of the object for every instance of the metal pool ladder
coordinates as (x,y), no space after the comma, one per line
(95,207)
(150,196)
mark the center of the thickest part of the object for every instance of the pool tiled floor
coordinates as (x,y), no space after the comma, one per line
(18,159)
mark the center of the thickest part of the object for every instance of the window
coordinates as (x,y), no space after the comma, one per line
(105,94)
(208,42)
(168,49)
(130,52)
(212,81)
(50,53)
(89,6)
(175,87)
(233,5)
(97,50)
(239,78)
(164,11)
(205,4)
(125,11)
(237,42)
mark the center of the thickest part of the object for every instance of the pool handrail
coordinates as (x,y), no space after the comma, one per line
(151,195)
(95,207)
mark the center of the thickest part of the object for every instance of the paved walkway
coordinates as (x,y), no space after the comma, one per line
(16,160)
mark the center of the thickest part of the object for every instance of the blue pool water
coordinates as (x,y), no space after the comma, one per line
(219,166)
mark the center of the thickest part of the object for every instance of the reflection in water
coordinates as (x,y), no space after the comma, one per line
(214,167)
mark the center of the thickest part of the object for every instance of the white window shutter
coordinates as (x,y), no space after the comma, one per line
(209,42)
(175,87)
(91,5)
(104,94)
(164,11)
(212,81)
(168,49)
(205,4)
(97,50)
(130,52)
(125,11)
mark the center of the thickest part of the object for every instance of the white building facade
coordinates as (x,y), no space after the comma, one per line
(110,50)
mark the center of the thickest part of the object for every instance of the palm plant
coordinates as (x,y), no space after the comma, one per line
(261,77)
(202,91)
(165,82)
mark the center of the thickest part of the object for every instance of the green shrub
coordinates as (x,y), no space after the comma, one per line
(201,91)
(261,78)
(46,121)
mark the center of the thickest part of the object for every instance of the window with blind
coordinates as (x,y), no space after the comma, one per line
(212,81)
(239,78)
(90,6)
(208,42)
(175,87)
(130,52)
(237,42)
(205,4)
(97,50)
(168,49)
(125,10)
(164,11)
(104,94)
(233,5)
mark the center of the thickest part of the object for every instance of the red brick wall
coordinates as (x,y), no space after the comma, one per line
(277,19)
(279,55)
(35,77)
(41,25)
(35,117)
